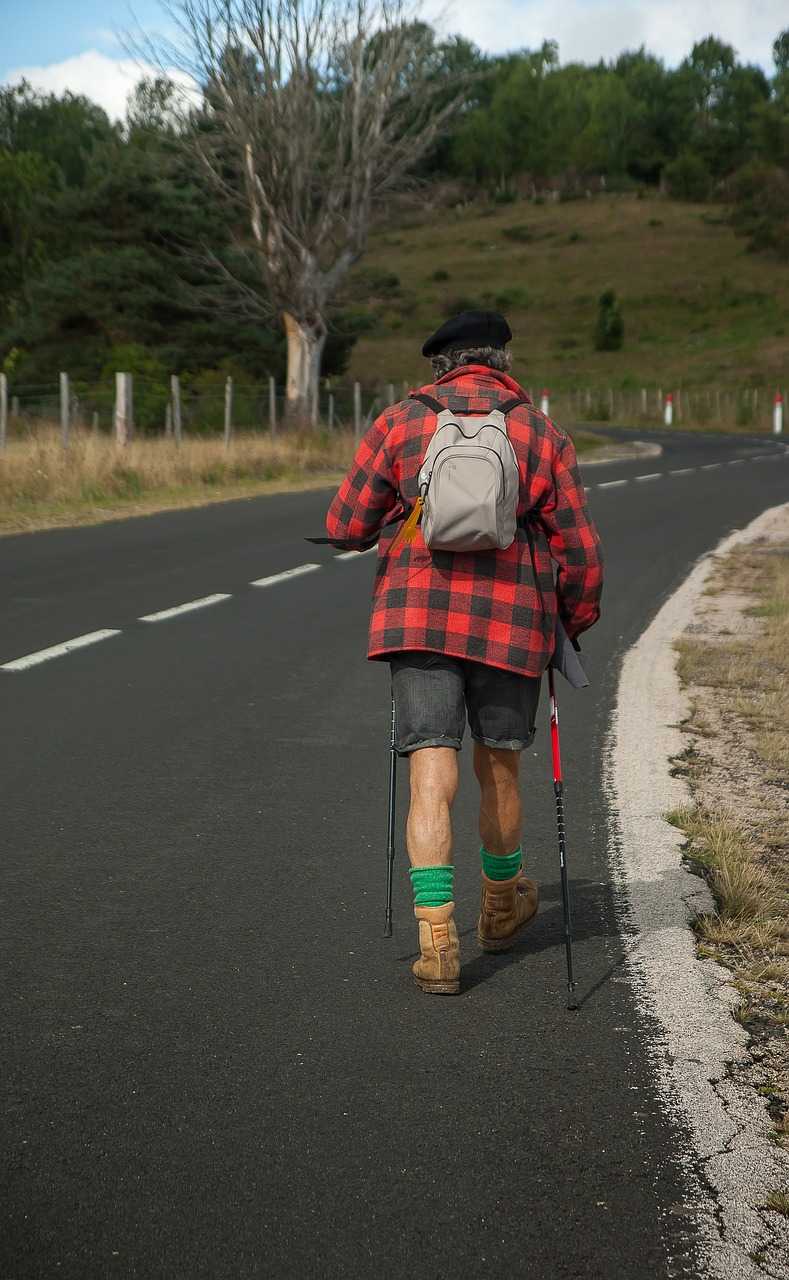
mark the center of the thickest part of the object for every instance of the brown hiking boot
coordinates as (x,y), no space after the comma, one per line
(507,907)
(438,968)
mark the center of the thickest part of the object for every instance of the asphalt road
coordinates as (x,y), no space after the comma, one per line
(213,1064)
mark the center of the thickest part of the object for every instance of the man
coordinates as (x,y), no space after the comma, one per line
(469,633)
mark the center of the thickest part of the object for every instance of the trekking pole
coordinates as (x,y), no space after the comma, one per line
(390,852)
(558,791)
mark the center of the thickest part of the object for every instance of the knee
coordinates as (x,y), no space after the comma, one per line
(434,774)
(496,769)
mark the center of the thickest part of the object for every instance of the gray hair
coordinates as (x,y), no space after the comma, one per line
(494,357)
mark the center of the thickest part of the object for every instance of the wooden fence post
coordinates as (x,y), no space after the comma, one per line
(644,401)
(272,406)
(121,409)
(3,409)
(64,410)
(331,411)
(390,393)
(357,410)
(95,422)
(15,407)
(228,410)
(175,398)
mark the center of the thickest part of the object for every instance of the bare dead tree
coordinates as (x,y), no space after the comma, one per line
(314,110)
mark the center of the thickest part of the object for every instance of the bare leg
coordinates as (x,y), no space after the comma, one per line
(434,782)
(500,817)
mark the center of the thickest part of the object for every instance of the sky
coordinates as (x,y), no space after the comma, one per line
(78,44)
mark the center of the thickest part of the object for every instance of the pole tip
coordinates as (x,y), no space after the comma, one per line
(572,1000)
(388,929)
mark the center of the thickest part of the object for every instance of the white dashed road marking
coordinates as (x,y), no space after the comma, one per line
(163,614)
(354,555)
(57,650)
(282,577)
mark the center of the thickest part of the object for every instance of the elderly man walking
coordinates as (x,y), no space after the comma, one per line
(468,633)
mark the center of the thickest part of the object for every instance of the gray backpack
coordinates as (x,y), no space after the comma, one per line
(469,481)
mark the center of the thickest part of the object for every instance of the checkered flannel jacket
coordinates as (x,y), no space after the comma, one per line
(480,605)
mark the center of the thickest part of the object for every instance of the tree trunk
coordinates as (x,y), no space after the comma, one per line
(305,352)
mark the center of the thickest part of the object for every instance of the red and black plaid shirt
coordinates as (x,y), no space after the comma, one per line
(481,605)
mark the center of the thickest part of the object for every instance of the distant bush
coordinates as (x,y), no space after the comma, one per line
(761,212)
(521,233)
(610,329)
(440,275)
(688,177)
(516,298)
(453,306)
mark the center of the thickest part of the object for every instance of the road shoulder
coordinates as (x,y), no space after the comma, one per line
(733,1164)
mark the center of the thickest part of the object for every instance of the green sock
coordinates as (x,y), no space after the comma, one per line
(432,885)
(501,866)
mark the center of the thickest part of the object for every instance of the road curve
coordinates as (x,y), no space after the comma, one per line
(213,1063)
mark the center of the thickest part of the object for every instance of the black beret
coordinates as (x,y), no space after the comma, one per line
(469,329)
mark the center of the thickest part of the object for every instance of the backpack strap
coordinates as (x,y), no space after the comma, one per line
(430,401)
(438,407)
(509,405)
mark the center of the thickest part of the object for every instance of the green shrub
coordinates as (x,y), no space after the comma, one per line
(440,275)
(688,177)
(515,298)
(521,233)
(610,327)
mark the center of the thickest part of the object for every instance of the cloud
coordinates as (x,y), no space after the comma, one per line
(587,30)
(105,80)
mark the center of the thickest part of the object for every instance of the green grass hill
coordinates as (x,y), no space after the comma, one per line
(699,309)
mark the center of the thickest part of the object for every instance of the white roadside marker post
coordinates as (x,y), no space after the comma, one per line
(668,411)
(545,403)
(3,409)
(778,414)
(64,410)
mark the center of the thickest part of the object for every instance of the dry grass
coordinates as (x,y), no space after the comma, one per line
(753,908)
(778,1201)
(43,484)
(741,685)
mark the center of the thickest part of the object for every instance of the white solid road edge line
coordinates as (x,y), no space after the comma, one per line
(682,471)
(696,1038)
(57,650)
(282,577)
(710,466)
(183,608)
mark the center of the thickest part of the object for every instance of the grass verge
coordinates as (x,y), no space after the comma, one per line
(43,486)
(737,825)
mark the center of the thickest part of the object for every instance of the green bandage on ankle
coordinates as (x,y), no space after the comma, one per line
(432,885)
(501,866)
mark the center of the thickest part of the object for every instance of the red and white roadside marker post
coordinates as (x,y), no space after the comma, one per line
(668,410)
(545,403)
(778,414)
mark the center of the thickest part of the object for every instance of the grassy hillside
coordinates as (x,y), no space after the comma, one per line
(699,309)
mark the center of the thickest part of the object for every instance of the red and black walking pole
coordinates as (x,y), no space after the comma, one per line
(558,791)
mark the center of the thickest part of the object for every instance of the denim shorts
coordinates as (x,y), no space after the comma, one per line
(433,692)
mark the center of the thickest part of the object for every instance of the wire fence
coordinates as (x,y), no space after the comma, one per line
(158,408)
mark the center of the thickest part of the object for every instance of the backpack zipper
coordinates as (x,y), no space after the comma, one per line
(423,488)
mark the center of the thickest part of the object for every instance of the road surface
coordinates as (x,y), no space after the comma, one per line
(213,1063)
